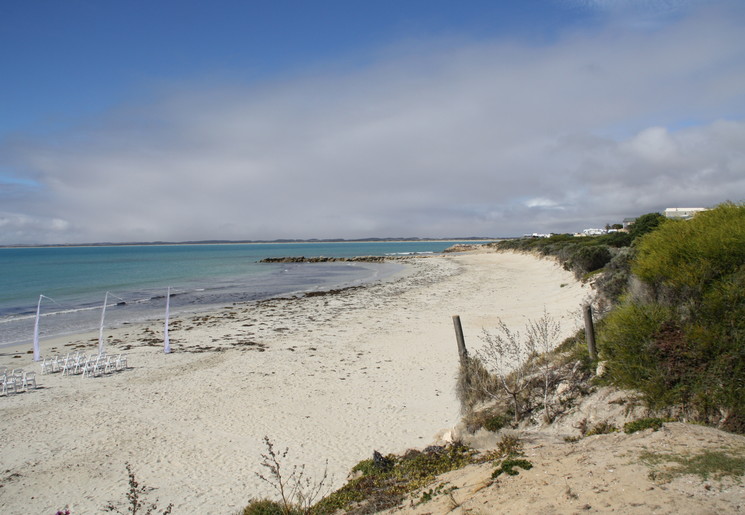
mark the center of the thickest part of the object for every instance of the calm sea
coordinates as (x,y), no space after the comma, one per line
(74,280)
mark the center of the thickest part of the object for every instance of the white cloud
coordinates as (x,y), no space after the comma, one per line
(450,142)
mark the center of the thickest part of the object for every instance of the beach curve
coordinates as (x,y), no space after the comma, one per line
(333,377)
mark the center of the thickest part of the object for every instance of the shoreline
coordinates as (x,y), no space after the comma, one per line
(333,377)
(377,270)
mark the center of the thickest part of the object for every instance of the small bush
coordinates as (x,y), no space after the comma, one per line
(510,445)
(642,424)
(267,507)
(509,465)
(296,490)
(136,498)
(497,422)
(473,384)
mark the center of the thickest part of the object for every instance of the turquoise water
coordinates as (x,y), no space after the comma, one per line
(76,279)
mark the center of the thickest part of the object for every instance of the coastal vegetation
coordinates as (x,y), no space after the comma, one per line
(672,331)
(375,484)
(676,324)
(677,337)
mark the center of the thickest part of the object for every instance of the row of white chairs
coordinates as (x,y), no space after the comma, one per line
(17,380)
(103,364)
(59,363)
(93,365)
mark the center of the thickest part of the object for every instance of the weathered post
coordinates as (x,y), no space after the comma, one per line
(590,332)
(462,352)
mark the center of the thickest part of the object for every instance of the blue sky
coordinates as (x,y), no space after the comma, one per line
(182,120)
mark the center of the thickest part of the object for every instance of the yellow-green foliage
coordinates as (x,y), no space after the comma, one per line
(685,346)
(687,256)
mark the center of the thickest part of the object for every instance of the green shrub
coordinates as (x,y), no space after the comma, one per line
(510,446)
(267,507)
(497,422)
(645,224)
(509,465)
(617,272)
(642,424)
(589,259)
(685,347)
(627,343)
(682,259)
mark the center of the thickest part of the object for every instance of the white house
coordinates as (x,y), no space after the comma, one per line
(593,232)
(683,213)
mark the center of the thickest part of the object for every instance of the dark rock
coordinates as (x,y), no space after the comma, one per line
(382,463)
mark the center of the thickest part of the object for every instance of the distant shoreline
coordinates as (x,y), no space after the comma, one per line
(243,242)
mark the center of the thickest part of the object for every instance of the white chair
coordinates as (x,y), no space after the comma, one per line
(110,365)
(99,365)
(9,383)
(121,362)
(80,361)
(46,366)
(69,366)
(29,378)
(88,366)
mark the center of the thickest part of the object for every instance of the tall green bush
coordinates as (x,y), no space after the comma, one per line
(684,258)
(627,341)
(687,346)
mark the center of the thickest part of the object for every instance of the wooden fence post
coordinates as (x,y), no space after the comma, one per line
(462,352)
(590,332)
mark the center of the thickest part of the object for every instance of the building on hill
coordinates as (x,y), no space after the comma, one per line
(591,232)
(683,213)
(628,222)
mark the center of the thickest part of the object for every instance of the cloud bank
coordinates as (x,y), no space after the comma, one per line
(494,138)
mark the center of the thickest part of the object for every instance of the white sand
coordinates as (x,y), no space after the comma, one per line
(333,377)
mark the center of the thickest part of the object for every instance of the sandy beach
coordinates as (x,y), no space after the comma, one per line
(333,377)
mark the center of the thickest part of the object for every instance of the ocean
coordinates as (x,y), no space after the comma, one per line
(74,280)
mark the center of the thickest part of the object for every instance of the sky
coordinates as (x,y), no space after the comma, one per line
(184,120)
